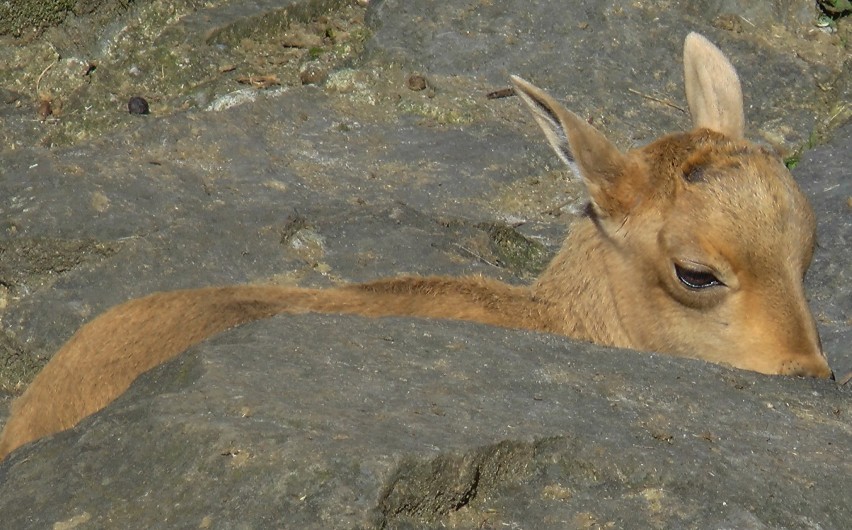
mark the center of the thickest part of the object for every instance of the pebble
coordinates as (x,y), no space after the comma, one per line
(417,82)
(313,74)
(137,105)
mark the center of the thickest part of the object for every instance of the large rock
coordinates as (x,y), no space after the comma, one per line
(825,177)
(620,64)
(328,422)
(343,422)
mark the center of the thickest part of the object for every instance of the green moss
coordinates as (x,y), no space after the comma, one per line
(444,115)
(836,8)
(18,367)
(18,17)
(519,254)
(173,75)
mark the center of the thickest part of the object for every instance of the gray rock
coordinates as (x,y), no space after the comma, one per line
(328,422)
(825,177)
(608,60)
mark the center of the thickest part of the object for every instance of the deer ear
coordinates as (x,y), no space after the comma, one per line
(712,88)
(582,147)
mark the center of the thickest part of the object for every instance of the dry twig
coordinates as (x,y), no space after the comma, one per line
(658,100)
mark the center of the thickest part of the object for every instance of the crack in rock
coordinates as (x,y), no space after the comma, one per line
(428,490)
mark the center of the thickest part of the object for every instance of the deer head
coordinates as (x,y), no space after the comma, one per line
(696,244)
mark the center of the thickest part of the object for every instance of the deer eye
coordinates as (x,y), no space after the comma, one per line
(696,279)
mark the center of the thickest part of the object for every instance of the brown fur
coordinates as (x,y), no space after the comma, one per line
(707,201)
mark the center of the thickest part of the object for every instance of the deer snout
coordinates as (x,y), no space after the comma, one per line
(820,370)
(817,365)
(784,337)
(809,360)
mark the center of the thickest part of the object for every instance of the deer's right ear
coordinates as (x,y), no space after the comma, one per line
(712,87)
(600,164)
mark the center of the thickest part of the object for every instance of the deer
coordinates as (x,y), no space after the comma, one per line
(695,245)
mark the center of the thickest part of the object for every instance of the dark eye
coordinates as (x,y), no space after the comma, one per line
(696,279)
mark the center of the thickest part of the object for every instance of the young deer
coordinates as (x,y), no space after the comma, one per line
(694,245)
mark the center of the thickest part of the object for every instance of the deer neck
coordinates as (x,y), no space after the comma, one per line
(577,288)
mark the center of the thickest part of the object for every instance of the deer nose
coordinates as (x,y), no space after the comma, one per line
(813,366)
(823,371)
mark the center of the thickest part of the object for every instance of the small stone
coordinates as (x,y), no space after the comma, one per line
(137,105)
(312,74)
(300,38)
(417,82)
(45,109)
(729,22)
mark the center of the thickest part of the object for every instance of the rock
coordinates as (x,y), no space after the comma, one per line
(331,422)
(323,421)
(416,82)
(824,176)
(617,64)
(312,74)
(137,105)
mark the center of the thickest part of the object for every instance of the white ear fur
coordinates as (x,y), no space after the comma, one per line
(549,119)
(712,88)
(600,164)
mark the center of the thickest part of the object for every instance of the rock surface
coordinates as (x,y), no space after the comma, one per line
(329,422)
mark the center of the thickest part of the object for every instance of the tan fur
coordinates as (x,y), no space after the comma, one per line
(706,200)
